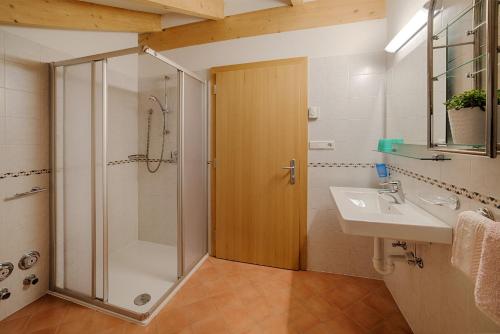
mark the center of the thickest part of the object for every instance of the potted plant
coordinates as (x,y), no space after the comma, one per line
(466,113)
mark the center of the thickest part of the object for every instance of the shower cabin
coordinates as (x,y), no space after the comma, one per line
(129,179)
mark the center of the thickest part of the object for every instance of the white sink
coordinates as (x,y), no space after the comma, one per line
(363,211)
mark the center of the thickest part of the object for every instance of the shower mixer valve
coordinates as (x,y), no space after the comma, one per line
(6,269)
(28,260)
(4,294)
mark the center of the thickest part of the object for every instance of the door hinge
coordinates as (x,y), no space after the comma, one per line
(213,163)
(215,89)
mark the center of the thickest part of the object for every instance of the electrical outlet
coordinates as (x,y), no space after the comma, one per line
(322,145)
(313,112)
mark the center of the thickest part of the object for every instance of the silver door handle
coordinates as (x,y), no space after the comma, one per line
(291,168)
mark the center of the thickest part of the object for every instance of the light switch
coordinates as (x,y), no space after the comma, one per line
(322,145)
(313,112)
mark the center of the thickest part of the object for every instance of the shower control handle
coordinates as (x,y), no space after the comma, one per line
(30,280)
(4,294)
(291,168)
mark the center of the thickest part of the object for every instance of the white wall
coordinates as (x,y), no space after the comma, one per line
(72,43)
(23,147)
(350,91)
(347,81)
(437,298)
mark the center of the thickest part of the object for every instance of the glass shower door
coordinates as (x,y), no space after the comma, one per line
(78,200)
(142,94)
(194,172)
(128,185)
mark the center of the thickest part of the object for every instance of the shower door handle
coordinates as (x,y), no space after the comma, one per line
(291,168)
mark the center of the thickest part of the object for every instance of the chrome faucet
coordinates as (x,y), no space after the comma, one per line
(395,190)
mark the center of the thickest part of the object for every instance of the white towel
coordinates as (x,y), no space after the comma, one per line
(468,235)
(487,291)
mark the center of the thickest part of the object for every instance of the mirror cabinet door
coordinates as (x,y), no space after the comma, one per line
(459,80)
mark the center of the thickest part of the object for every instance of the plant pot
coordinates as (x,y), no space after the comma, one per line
(467,126)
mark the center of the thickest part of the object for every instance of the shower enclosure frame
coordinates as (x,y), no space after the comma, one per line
(182,272)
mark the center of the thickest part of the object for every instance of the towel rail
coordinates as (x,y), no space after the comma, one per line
(486,213)
(34,190)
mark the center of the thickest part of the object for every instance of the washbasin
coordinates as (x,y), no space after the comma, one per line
(363,211)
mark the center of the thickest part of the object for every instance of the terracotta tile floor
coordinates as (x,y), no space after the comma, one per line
(229,297)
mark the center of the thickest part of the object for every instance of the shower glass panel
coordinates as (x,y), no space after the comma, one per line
(194,177)
(142,180)
(76,157)
(128,194)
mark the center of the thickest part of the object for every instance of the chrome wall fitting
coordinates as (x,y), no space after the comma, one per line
(6,269)
(4,294)
(28,260)
(486,213)
(401,244)
(30,280)
(414,260)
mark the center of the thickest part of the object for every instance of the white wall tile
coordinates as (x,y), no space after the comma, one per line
(23,104)
(23,76)
(27,223)
(2,72)
(2,60)
(366,85)
(367,64)
(354,120)
(25,131)
(2,102)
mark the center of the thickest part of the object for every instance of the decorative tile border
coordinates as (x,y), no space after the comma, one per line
(24,173)
(488,200)
(128,161)
(341,164)
(48,171)
(120,162)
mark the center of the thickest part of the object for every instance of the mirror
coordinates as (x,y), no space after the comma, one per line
(462,103)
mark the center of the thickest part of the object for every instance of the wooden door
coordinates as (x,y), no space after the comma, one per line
(260,125)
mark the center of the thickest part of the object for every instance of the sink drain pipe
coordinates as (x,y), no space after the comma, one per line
(384,264)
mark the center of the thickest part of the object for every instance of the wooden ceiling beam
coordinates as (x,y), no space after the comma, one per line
(312,14)
(207,9)
(76,15)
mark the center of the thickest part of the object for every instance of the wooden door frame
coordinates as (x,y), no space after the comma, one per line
(303,171)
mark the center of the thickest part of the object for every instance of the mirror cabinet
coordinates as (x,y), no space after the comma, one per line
(462,52)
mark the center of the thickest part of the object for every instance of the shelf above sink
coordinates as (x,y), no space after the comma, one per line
(413,151)
(363,211)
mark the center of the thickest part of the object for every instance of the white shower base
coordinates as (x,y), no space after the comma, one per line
(141,267)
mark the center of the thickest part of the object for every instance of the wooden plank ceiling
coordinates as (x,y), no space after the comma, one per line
(207,9)
(76,15)
(104,15)
(98,15)
(312,14)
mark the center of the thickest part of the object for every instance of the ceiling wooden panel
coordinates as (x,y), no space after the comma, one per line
(76,15)
(208,9)
(313,14)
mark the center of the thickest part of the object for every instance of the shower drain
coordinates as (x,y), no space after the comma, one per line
(142,299)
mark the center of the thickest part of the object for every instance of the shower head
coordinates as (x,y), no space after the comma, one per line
(155,100)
